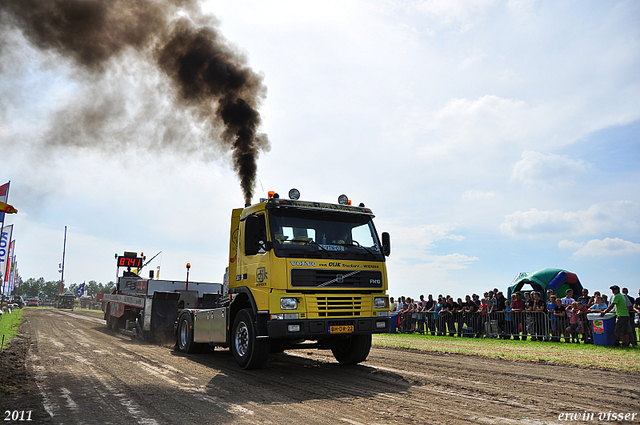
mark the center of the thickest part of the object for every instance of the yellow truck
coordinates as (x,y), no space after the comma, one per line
(301,275)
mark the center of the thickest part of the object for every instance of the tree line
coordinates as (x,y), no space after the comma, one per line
(51,289)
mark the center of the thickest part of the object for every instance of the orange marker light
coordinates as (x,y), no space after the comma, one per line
(271,193)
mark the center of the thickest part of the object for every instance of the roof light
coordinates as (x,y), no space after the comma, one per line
(270,194)
(343,200)
(294,194)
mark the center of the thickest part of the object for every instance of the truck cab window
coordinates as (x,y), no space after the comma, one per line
(255,237)
(324,234)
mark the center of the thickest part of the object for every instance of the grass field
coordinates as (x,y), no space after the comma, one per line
(584,355)
(96,312)
(9,324)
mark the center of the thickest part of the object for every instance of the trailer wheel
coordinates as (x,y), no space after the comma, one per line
(118,323)
(352,350)
(108,317)
(185,334)
(249,352)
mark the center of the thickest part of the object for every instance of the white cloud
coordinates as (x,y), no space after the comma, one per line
(567,244)
(412,264)
(474,125)
(476,194)
(451,261)
(521,9)
(536,222)
(602,248)
(434,273)
(459,13)
(536,169)
(596,219)
(415,242)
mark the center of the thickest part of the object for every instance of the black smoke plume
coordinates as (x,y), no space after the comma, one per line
(207,74)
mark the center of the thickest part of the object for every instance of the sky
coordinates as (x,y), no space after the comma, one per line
(488,137)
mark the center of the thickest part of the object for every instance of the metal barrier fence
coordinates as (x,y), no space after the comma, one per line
(536,325)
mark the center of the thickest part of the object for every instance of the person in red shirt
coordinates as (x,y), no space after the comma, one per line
(584,323)
(483,309)
(517,308)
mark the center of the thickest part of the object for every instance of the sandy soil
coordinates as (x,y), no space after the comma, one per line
(76,372)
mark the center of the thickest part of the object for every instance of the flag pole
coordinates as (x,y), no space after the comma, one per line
(1,232)
(64,249)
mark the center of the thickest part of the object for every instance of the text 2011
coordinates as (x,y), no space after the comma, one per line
(17,415)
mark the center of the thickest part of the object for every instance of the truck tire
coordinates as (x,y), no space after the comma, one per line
(352,350)
(249,352)
(185,334)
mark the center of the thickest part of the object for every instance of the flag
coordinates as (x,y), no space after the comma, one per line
(9,258)
(4,195)
(15,276)
(6,208)
(7,270)
(80,290)
(12,272)
(7,233)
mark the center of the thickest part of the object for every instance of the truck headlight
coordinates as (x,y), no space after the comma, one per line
(379,302)
(288,303)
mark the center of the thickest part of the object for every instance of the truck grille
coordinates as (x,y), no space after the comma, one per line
(337,306)
(357,279)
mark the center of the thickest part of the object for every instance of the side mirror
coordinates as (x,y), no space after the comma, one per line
(386,244)
(251,237)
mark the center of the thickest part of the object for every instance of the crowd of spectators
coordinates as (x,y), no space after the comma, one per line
(524,315)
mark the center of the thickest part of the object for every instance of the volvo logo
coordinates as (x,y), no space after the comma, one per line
(339,278)
(304,263)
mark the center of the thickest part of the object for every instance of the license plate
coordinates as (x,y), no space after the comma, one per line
(341,329)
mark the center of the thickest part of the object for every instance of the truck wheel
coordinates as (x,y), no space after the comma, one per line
(352,350)
(250,352)
(185,334)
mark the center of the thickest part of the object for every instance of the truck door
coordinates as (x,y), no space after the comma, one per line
(255,265)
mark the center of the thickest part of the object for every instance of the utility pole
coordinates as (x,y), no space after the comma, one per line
(64,249)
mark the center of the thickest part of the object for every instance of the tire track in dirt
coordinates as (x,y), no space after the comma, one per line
(87,374)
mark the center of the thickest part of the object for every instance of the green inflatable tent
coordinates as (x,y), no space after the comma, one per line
(557,279)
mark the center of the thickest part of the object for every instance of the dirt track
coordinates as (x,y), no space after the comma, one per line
(87,375)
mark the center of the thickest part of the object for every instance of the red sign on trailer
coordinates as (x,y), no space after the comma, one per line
(129,262)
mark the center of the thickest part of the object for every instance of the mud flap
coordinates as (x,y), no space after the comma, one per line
(164,311)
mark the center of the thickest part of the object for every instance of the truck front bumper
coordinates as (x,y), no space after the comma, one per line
(313,329)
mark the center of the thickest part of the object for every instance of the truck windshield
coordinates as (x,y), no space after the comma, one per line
(324,234)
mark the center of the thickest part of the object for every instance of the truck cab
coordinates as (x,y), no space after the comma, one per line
(66,301)
(304,275)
